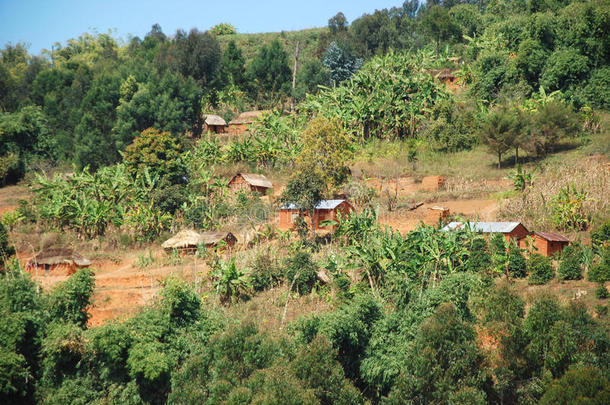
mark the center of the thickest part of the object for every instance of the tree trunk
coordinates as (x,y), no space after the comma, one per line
(516,155)
(294,76)
(499,160)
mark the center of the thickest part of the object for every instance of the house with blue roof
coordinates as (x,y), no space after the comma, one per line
(324,210)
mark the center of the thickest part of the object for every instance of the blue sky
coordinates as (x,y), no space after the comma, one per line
(42,23)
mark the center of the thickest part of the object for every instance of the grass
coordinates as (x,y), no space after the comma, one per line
(251,43)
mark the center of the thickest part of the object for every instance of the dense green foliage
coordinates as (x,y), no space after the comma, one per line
(416,318)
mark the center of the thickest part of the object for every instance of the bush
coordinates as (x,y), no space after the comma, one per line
(6,249)
(541,269)
(517,265)
(301,271)
(265,273)
(570,265)
(601,271)
(601,292)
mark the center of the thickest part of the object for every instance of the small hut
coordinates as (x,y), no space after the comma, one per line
(187,241)
(546,243)
(57,262)
(214,123)
(324,210)
(437,213)
(248,181)
(240,123)
(432,183)
(511,230)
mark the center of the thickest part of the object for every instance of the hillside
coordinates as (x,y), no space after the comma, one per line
(424,219)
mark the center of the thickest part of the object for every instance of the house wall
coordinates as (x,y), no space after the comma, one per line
(238,183)
(237,129)
(287,217)
(217,129)
(518,233)
(543,246)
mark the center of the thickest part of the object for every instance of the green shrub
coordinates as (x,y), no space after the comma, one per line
(601,310)
(541,269)
(265,273)
(301,272)
(6,249)
(517,266)
(601,292)
(601,271)
(570,265)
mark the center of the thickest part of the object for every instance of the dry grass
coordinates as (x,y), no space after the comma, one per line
(588,173)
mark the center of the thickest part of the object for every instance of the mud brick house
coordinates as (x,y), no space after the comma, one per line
(187,241)
(324,210)
(546,243)
(240,123)
(214,123)
(432,183)
(58,262)
(252,182)
(437,213)
(511,230)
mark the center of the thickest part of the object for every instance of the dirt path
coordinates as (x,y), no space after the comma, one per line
(404,220)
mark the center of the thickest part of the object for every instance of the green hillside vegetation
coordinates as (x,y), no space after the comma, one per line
(109,139)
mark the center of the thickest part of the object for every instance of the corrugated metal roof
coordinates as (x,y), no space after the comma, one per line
(553,237)
(322,205)
(211,119)
(484,227)
(257,180)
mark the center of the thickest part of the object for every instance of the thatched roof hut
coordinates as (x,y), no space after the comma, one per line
(251,181)
(212,119)
(57,257)
(214,123)
(239,124)
(187,240)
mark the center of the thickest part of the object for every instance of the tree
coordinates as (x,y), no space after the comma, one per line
(223,29)
(443,365)
(70,300)
(269,71)
(305,189)
(337,24)
(159,153)
(198,56)
(168,103)
(232,65)
(98,115)
(553,122)
(341,63)
(438,23)
(499,131)
(584,385)
(327,149)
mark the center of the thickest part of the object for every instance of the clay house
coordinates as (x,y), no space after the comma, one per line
(240,123)
(432,183)
(187,241)
(436,214)
(324,210)
(511,230)
(214,123)
(56,262)
(546,243)
(252,182)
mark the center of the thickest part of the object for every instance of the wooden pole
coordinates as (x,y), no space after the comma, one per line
(294,76)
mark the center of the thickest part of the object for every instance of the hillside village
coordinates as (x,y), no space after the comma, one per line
(409,208)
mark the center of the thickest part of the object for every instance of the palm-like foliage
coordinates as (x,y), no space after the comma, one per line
(387,98)
(229,280)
